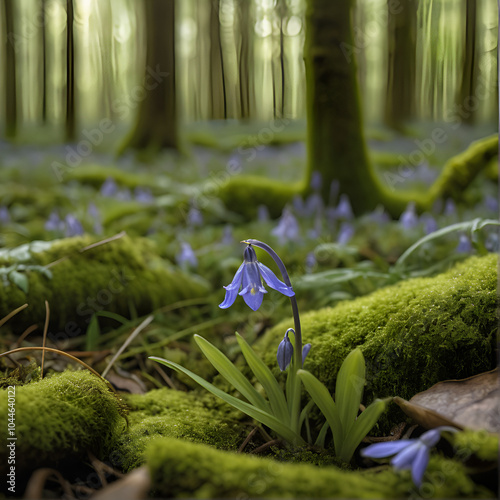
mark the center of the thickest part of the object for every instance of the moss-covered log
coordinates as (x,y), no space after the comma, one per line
(61,418)
(182,469)
(412,334)
(115,276)
(462,169)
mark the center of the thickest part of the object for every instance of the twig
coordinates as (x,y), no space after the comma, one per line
(23,335)
(131,337)
(34,489)
(12,313)
(44,338)
(265,446)
(247,439)
(88,247)
(57,351)
(165,377)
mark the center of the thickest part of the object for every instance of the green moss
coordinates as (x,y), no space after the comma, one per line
(182,469)
(482,444)
(61,417)
(412,334)
(244,194)
(119,275)
(169,413)
(461,170)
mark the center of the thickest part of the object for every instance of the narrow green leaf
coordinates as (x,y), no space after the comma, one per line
(325,403)
(305,411)
(92,334)
(261,416)
(362,427)
(320,440)
(349,388)
(231,373)
(112,315)
(266,378)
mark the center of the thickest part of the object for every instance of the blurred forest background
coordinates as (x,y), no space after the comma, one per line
(67,64)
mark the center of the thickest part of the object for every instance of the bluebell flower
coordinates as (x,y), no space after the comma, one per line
(491,204)
(314,205)
(93,211)
(344,209)
(249,276)
(298,206)
(409,218)
(227,235)
(124,194)
(430,224)
(346,232)
(305,352)
(109,187)
(54,222)
(186,257)
(194,217)
(464,244)
(287,228)
(285,352)
(316,181)
(379,216)
(143,195)
(409,453)
(4,215)
(311,262)
(73,226)
(450,208)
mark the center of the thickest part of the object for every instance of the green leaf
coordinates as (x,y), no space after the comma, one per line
(266,378)
(231,373)
(320,440)
(261,416)
(362,427)
(92,334)
(325,403)
(349,388)
(20,280)
(112,315)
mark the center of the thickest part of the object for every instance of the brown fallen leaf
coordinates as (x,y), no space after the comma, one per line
(473,402)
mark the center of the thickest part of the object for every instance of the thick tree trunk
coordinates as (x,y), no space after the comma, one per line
(10,72)
(402,41)
(336,144)
(70,74)
(156,123)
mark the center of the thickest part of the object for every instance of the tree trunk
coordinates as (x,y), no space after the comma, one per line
(10,72)
(219,106)
(43,49)
(470,69)
(336,144)
(156,122)
(244,57)
(402,40)
(70,74)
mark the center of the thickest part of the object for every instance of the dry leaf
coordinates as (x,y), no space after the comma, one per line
(473,402)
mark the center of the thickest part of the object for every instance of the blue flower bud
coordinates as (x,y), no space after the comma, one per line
(285,352)
(305,352)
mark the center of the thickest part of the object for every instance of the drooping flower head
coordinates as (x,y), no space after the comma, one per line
(408,453)
(285,352)
(249,277)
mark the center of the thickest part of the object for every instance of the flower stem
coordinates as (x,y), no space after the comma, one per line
(297,354)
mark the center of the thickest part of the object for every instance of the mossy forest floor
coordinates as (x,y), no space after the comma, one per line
(97,247)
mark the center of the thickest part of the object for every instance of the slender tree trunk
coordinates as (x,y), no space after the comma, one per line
(70,74)
(336,144)
(244,57)
(156,123)
(401,78)
(10,72)
(43,48)
(470,67)
(219,105)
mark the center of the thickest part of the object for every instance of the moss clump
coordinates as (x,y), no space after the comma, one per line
(244,195)
(61,417)
(182,469)
(461,170)
(169,413)
(116,276)
(412,334)
(482,444)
